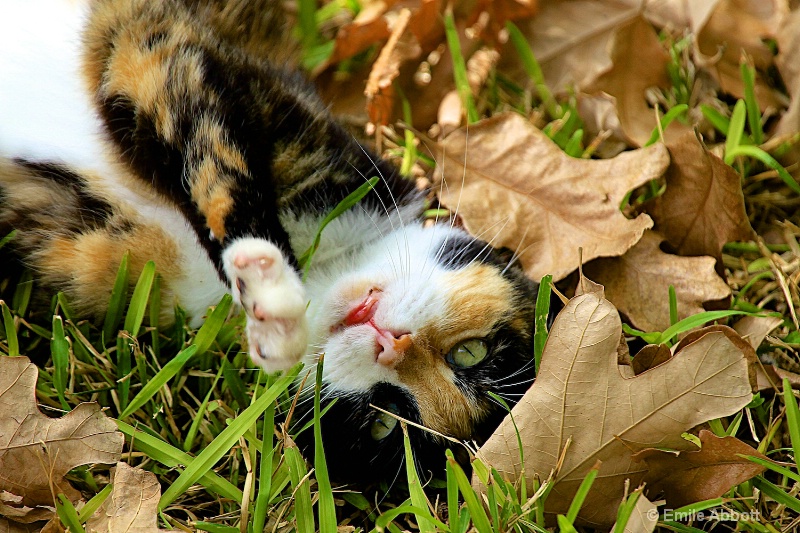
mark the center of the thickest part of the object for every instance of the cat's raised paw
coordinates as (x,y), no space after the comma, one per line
(274,299)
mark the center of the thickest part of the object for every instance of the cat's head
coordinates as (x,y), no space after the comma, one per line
(424,325)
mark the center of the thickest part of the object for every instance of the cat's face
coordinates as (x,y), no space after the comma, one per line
(422,325)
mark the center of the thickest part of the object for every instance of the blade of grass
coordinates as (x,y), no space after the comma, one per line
(325,505)
(625,511)
(212,453)
(772,466)
(673,306)
(10,330)
(580,496)
(418,498)
(94,504)
(665,121)
(265,470)
(141,294)
(216,528)
(452,499)
(542,314)
(460,69)
(349,201)
(476,510)
(68,515)
(22,294)
(304,515)
(382,522)
(735,131)
(533,69)
(169,456)
(151,387)
(759,154)
(154,314)
(5,240)
(201,411)
(693,321)
(213,324)
(59,348)
(116,306)
(792,419)
(753,112)
(776,493)
(717,119)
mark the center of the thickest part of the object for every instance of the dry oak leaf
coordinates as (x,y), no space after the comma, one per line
(367,28)
(699,474)
(132,505)
(789,48)
(514,187)
(638,283)
(35,450)
(743,25)
(639,61)
(754,329)
(703,205)
(580,395)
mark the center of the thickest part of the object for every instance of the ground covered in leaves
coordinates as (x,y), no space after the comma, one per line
(654,145)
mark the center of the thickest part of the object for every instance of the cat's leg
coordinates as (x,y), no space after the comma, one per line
(267,287)
(190,116)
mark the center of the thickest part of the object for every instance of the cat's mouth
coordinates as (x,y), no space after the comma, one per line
(389,345)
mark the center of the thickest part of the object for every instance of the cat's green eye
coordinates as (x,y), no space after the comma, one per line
(468,353)
(384,424)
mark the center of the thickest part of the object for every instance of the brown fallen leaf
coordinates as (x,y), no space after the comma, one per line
(743,25)
(11,507)
(754,329)
(703,205)
(580,395)
(35,450)
(379,90)
(788,49)
(696,475)
(638,283)
(639,61)
(649,357)
(571,41)
(544,204)
(7,526)
(367,28)
(132,505)
(500,11)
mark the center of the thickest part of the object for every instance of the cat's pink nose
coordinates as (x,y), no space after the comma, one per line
(392,347)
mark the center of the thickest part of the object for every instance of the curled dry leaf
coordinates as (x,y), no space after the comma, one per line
(35,450)
(580,395)
(754,329)
(379,91)
(639,62)
(709,472)
(638,283)
(132,505)
(703,205)
(737,26)
(514,187)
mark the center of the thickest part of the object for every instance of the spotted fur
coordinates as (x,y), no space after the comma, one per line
(178,131)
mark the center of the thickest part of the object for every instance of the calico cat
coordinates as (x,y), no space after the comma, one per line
(177,130)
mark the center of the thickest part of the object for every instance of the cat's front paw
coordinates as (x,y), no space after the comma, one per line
(274,299)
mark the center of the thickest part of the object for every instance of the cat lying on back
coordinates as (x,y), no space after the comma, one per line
(174,130)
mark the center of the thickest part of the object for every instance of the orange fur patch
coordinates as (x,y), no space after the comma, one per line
(476,292)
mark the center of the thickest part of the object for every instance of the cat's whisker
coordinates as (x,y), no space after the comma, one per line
(388,217)
(524,368)
(518,250)
(517,384)
(396,207)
